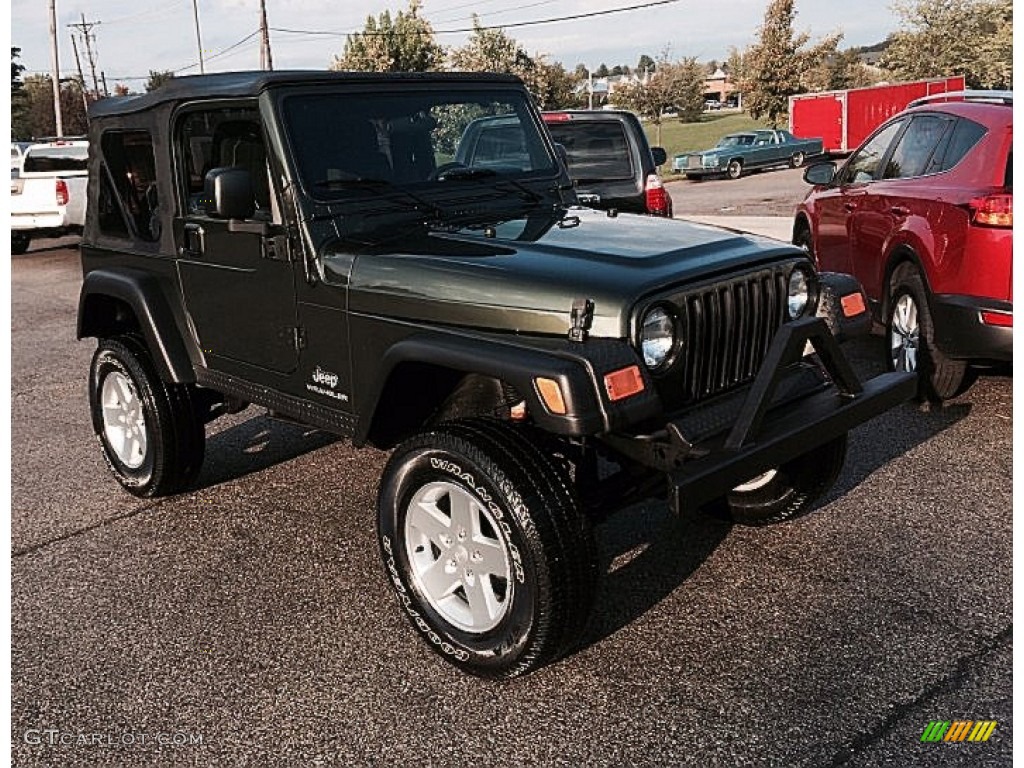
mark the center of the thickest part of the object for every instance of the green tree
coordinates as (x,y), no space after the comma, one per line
(158,78)
(602,70)
(492,50)
(404,44)
(38,119)
(675,86)
(776,67)
(18,102)
(645,65)
(939,38)
(839,71)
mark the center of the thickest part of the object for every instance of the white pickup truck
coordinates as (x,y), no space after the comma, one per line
(48,194)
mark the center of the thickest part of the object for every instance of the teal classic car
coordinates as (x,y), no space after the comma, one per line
(739,152)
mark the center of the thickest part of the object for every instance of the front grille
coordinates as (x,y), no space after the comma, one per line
(694,162)
(726,329)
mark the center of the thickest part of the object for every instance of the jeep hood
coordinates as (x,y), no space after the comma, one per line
(523,276)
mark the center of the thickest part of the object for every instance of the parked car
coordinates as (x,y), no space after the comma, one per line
(48,195)
(922,214)
(531,364)
(610,160)
(738,153)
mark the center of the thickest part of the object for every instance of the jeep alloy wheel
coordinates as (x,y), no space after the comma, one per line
(124,423)
(458,556)
(486,548)
(152,433)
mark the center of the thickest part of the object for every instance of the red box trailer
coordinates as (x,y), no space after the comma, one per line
(843,119)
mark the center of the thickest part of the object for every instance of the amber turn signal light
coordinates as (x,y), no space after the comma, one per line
(551,394)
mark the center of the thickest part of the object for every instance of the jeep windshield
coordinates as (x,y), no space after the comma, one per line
(449,146)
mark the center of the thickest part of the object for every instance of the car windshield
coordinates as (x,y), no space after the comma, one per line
(346,144)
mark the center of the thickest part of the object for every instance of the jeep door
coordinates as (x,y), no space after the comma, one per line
(238,287)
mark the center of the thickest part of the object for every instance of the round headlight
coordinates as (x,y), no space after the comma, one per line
(657,337)
(799,292)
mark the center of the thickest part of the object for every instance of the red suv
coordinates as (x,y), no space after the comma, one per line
(922,214)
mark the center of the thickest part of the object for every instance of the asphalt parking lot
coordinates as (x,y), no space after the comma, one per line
(249,622)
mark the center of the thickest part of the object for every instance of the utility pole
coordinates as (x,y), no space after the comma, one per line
(55,69)
(266,60)
(81,77)
(88,38)
(199,37)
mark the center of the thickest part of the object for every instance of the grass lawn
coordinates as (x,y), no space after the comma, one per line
(679,137)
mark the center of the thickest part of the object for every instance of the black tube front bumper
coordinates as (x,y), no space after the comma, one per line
(778,419)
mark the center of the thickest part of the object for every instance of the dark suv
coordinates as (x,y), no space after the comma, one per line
(922,215)
(610,160)
(324,246)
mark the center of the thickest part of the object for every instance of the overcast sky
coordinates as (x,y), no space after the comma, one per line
(135,36)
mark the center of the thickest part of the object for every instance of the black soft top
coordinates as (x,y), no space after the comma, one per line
(242,84)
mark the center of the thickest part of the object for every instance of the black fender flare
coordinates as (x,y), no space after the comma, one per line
(587,411)
(144,294)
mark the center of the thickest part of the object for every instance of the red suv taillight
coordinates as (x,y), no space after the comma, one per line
(992,211)
(657,199)
(62,192)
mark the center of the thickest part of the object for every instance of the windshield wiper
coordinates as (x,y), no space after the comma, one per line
(422,205)
(474,174)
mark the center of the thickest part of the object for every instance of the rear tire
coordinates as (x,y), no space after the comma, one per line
(486,548)
(910,337)
(152,433)
(797,159)
(20,242)
(785,492)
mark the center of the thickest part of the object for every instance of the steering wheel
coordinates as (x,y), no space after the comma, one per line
(441,170)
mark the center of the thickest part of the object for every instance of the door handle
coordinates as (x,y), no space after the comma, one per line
(899,210)
(849,207)
(195,241)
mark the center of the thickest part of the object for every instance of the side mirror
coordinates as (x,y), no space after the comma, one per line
(229,194)
(660,155)
(820,174)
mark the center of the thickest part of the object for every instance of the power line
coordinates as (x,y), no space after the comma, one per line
(534,22)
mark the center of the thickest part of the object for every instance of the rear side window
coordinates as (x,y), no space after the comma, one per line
(56,159)
(913,155)
(597,150)
(130,168)
(966,134)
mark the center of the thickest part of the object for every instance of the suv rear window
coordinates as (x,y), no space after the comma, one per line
(50,159)
(597,150)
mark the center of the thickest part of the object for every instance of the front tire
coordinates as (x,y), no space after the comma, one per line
(151,433)
(910,336)
(785,492)
(734,169)
(486,548)
(797,160)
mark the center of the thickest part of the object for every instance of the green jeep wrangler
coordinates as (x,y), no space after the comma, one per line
(320,244)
